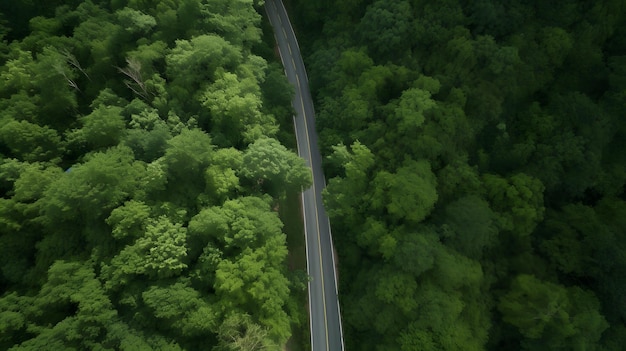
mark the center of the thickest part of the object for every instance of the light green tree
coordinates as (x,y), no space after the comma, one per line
(102,128)
(237,21)
(222,180)
(238,224)
(182,309)
(160,253)
(71,311)
(129,220)
(272,166)
(254,282)
(239,333)
(235,105)
(93,188)
(193,62)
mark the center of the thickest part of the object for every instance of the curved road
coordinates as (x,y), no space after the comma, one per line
(324,314)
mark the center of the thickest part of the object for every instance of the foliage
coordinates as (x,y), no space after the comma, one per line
(476,141)
(133,135)
(271,165)
(474,157)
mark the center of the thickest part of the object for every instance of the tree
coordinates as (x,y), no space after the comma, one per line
(13,319)
(244,250)
(518,201)
(222,180)
(47,80)
(98,40)
(496,19)
(107,154)
(238,224)
(129,220)
(585,243)
(375,237)
(148,135)
(160,253)
(273,167)
(508,189)
(472,226)
(414,338)
(236,21)
(443,128)
(102,128)
(20,224)
(411,107)
(344,195)
(193,63)
(16,72)
(457,178)
(385,27)
(150,56)
(186,159)
(397,288)
(444,320)
(416,251)
(134,21)
(253,281)
(277,94)
(93,188)
(239,333)
(235,105)
(31,142)
(180,308)
(188,154)
(408,195)
(71,311)
(560,317)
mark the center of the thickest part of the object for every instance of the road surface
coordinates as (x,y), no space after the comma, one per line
(325,317)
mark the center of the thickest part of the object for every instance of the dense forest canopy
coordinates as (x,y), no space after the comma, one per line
(141,167)
(475,158)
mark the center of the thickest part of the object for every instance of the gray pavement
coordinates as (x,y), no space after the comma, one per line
(325,317)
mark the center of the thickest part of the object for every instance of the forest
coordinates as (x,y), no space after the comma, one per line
(474,153)
(144,157)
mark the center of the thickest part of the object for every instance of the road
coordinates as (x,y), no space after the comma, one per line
(325,316)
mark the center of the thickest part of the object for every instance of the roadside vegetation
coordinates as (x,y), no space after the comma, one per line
(142,173)
(475,158)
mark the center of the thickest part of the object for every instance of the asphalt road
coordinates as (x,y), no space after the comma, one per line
(325,317)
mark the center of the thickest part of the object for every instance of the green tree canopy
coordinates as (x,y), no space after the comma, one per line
(408,195)
(31,142)
(159,253)
(561,317)
(272,166)
(93,188)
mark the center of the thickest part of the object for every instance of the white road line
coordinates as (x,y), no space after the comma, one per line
(302,193)
(319,243)
(313,189)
